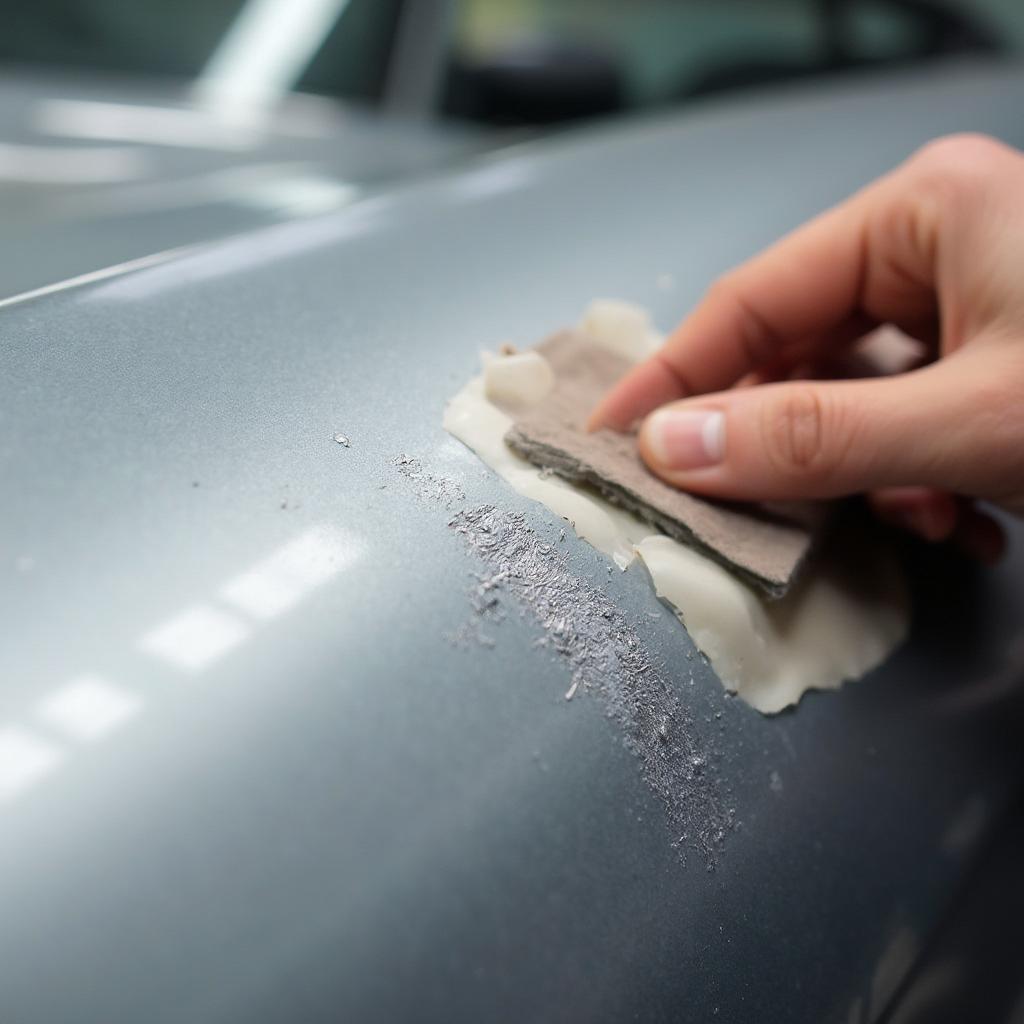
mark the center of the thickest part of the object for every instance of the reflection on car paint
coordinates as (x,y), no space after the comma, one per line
(90,707)
(25,759)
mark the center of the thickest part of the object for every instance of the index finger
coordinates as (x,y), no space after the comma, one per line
(803,286)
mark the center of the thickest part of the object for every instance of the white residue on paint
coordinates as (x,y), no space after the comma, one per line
(843,617)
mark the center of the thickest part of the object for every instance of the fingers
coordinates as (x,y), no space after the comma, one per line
(931,514)
(926,249)
(872,258)
(822,439)
(656,381)
(801,286)
(938,516)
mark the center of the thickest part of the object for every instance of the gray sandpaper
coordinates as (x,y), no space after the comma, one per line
(763,544)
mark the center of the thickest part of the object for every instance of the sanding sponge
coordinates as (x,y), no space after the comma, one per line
(763,544)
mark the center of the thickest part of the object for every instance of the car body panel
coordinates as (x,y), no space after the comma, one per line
(320,808)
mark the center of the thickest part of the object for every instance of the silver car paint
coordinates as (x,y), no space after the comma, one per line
(336,814)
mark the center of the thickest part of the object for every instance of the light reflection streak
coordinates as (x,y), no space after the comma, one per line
(130,122)
(293,188)
(25,759)
(279,582)
(117,270)
(195,638)
(508,174)
(66,165)
(88,708)
(263,54)
(249,252)
(301,195)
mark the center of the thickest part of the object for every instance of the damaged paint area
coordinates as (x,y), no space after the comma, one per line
(582,627)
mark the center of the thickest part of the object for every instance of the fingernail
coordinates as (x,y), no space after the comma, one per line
(686,438)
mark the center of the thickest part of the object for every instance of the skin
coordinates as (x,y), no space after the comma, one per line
(936,248)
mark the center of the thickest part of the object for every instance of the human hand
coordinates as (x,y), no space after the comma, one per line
(936,248)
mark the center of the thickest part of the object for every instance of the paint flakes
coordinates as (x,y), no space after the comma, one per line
(447,492)
(582,627)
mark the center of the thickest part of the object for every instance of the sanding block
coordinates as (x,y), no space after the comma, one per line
(763,544)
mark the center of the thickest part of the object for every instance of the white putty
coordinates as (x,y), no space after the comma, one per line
(621,327)
(517,377)
(834,624)
(482,427)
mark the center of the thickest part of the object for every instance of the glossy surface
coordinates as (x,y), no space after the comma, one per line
(98,170)
(281,793)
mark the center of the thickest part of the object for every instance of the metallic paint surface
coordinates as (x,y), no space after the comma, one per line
(321,809)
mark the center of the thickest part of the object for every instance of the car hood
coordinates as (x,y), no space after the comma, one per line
(251,773)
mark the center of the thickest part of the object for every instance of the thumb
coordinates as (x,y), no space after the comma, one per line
(820,439)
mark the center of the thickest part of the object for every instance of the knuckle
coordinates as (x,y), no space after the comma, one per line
(963,151)
(755,336)
(957,168)
(794,433)
(722,291)
(905,230)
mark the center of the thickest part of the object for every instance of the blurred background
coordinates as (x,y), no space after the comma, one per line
(505,61)
(129,129)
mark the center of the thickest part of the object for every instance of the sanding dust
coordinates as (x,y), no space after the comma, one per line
(580,625)
(824,631)
(426,484)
